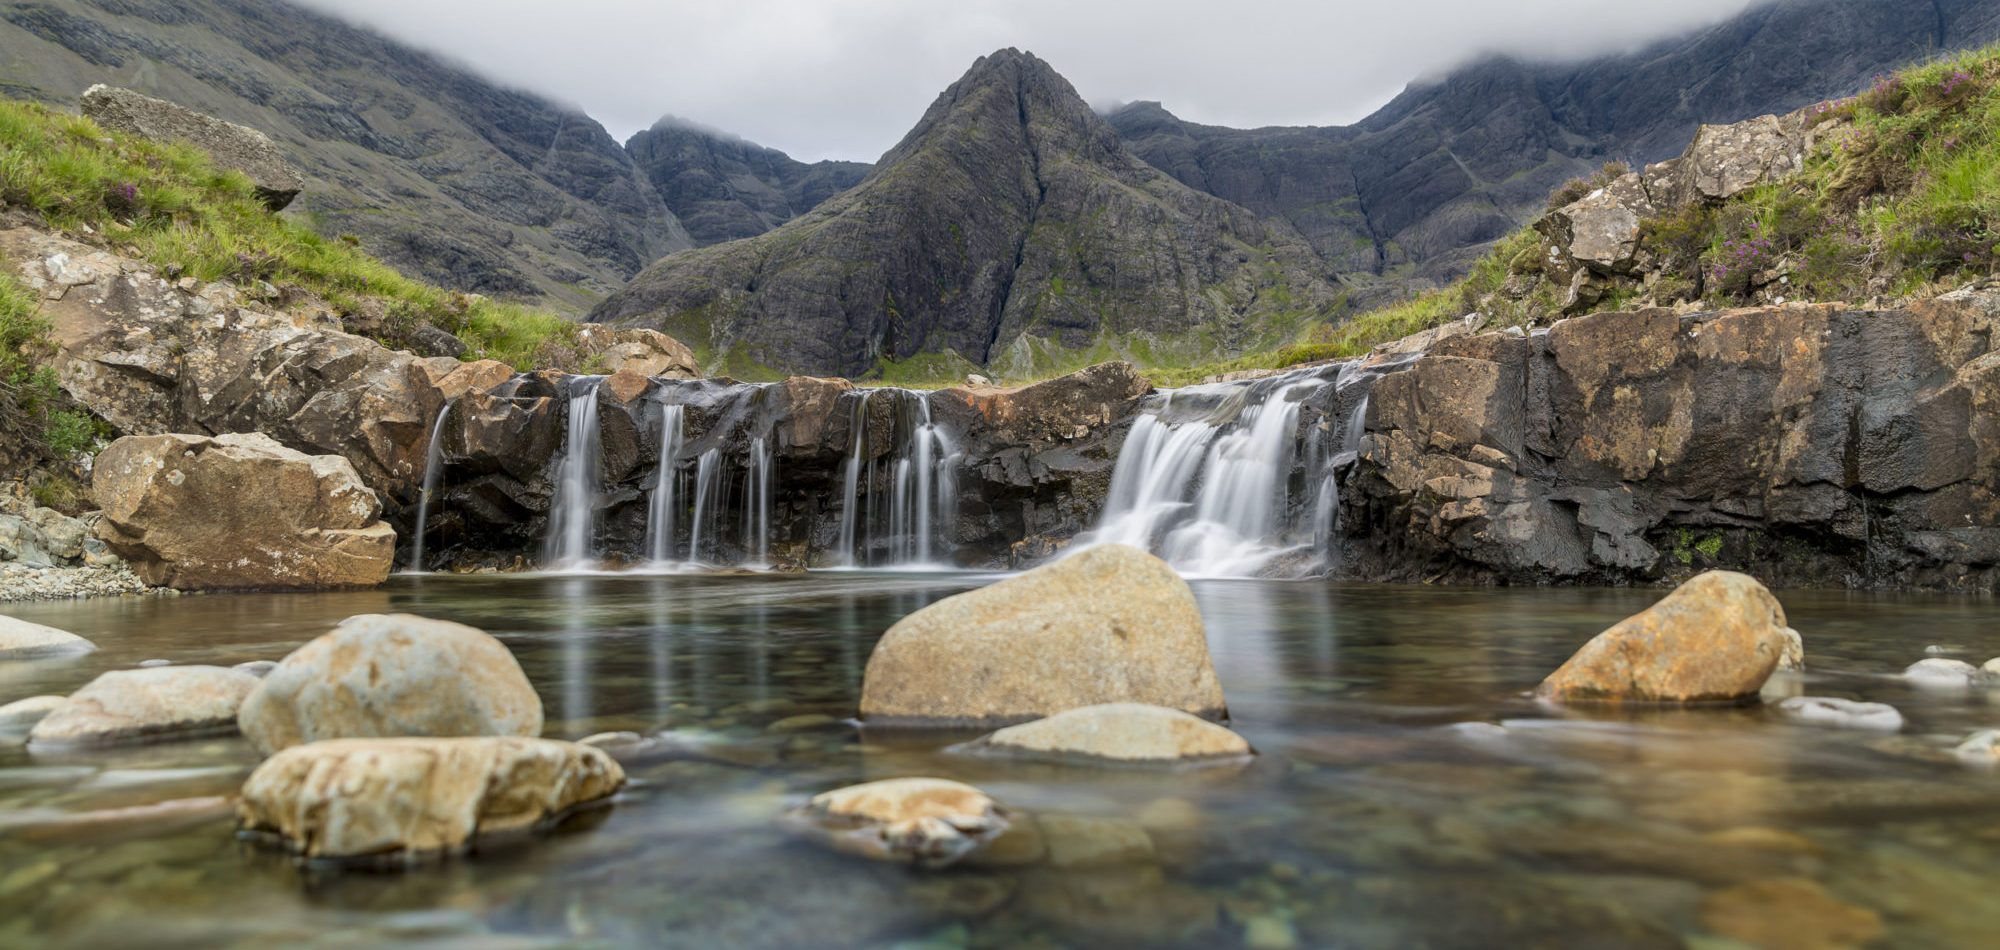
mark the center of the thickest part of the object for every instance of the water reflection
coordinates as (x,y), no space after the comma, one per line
(1376,816)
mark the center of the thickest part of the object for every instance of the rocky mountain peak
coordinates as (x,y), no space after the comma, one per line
(1022,98)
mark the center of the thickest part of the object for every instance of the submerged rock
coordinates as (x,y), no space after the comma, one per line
(402,799)
(1110,624)
(1786,913)
(1094,841)
(233,147)
(392,675)
(1119,732)
(128,705)
(1982,748)
(928,822)
(22,714)
(21,640)
(1716,637)
(239,511)
(1844,713)
(1937,671)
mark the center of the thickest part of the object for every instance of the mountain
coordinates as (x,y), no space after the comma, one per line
(1419,188)
(723,188)
(1009,229)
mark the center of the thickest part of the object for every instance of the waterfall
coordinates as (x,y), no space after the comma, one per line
(573,514)
(922,487)
(433,467)
(662,508)
(1204,478)
(757,504)
(707,485)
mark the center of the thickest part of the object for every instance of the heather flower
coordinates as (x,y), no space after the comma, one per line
(1953,81)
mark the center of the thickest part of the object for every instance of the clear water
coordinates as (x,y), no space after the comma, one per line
(1369,820)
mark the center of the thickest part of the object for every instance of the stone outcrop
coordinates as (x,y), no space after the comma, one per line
(1110,624)
(1116,732)
(928,822)
(392,675)
(234,147)
(21,640)
(239,511)
(636,350)
(399,800)
(157,703)
(1810,445)
(152,356)
(1717,637)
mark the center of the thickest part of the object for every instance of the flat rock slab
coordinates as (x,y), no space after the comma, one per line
(400,800)
(135,705)
(21,640)
(928,822)
(1130,733)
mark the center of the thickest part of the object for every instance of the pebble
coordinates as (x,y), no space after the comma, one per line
(20,583)
(1842,713)
(149,664)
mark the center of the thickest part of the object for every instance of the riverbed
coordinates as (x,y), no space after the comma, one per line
(1407,791)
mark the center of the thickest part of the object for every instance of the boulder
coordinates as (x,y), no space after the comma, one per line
(1842,713)
(1117,732)
(1109,624)
(1717,637)
(1981,748)
(642,351)
(1053,410)
(1600,231)
(1938,671)
(398,800)
(233,147)
(928,822)
(1787,913)
(21,640)
(239,511)
(128,705)
(22,714)
(392,675)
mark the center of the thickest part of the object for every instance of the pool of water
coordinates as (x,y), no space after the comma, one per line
(1372,818)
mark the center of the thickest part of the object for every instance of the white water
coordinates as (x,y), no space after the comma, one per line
(757,505)
(922,489)
(573,512)
(1211,492)
(664,505)
(432,469)
(707,485)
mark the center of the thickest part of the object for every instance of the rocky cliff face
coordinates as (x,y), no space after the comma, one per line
(1008,225)
(1415,191)
(723,188)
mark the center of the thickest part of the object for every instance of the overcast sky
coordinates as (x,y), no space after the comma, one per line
(846,78)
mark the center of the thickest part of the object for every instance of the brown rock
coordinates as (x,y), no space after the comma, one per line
(929,822)
(1109,624)
(401,799)
(239,511)
(635,350)
(1789,914)
(1716,637)
(1054,410)
(392,675)
(126,705)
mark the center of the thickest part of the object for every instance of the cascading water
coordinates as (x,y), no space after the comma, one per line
(573,514)
(921,487)
(757,504)
(664,506)
(1205,478)
(707,488)
(433,467)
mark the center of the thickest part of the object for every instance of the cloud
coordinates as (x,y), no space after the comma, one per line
(846,78)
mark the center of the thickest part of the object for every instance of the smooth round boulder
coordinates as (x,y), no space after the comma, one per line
(391,675)
(399,800)
(1940,672)
(21,715)
(1717,637)
(1130,733)
(133,705)
(1110,624)
(1982,748)
(21,640)
(928,822)
(1842,713)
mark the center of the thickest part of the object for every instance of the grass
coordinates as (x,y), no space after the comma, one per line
(36,420)
(170,206)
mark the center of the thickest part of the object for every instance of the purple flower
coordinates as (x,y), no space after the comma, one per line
(1953,81)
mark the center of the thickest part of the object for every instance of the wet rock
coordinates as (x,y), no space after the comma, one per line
(1110,624)
(1788,913)
(22,714)
(1982,748)
(401,799)
(1794,658)
(923,821)
(1940,672)
(392,675)
(1055,410)
(1842,713)
(1716,637)
(129,705)
(1092,841)
(804,722)
(233,147)
(257,668)
(21,640)
(239,511)
(1118,732)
